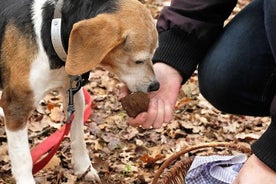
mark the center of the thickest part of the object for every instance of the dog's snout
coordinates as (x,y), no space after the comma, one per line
(154,86)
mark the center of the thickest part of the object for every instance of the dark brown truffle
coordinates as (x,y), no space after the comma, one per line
(135,103)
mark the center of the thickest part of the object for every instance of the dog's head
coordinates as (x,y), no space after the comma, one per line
(123,42)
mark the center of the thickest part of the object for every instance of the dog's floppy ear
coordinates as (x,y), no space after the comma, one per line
(90,41)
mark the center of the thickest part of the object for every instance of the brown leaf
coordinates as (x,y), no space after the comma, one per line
(56,114)
(151,160)
(182,102)
(53,163)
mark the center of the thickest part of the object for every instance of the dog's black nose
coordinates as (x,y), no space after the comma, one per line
(154,86)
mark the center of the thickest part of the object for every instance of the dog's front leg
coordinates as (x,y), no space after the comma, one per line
(80,157)
(20,156)
(17,109)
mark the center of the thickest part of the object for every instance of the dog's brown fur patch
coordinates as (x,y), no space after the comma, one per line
(109,31)
(133,43)
(18,51)
(144,21)
(84,52)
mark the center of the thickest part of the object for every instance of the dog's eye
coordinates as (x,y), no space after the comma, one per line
(139,62)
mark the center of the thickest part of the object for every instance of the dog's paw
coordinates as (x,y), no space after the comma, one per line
(90,175)
(93,176)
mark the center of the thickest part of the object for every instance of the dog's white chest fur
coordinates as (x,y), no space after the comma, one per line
(42,78)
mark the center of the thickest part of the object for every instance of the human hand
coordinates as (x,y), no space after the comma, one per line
(162,102)
(254,171)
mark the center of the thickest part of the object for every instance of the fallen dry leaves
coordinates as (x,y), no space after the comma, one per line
(124,154)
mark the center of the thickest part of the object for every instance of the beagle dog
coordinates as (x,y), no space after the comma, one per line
(45,42)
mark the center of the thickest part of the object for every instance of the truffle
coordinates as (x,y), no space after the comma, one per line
(135,103)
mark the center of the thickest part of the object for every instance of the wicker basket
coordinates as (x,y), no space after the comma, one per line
(177,173)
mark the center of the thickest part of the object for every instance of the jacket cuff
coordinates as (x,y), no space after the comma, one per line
(265,147)
(179,50)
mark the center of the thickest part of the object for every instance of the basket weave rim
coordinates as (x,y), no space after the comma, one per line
(233,145)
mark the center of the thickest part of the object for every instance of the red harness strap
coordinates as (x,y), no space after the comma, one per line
(44,151)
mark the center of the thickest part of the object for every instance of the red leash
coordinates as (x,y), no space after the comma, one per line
(44,151)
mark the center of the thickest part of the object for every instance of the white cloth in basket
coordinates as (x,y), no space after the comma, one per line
(215,169)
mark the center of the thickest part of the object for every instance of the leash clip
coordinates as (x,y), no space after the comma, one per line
(75,85)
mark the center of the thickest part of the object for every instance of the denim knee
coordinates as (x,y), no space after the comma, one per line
(217,90)
(238,90)
(238,73)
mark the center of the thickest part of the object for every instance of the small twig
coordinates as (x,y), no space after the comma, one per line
(195,147)
(43,132)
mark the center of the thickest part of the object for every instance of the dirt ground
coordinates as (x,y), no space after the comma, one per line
(123,154)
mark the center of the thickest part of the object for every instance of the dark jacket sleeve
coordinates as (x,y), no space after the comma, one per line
(187,28)
(265,147)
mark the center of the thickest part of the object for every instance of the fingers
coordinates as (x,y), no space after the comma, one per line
(140,118)
(152,113)
(159,119)
(168,112)
(159,112)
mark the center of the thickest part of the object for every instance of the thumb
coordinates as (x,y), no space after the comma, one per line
(123,92)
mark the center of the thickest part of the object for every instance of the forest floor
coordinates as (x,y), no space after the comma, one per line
(123,154)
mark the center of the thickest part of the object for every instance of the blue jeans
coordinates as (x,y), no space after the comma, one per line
(238,75)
